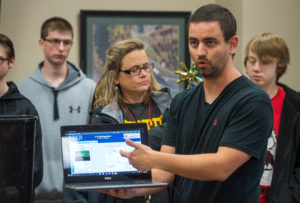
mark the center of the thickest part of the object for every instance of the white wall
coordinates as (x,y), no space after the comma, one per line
(21,21)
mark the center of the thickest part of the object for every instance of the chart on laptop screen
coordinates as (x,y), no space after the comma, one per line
(99,152)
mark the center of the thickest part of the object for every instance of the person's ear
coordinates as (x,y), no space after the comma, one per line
(11,62)
(116,80)
(233,42)
(41,44)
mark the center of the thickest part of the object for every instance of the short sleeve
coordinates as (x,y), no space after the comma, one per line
(170,130)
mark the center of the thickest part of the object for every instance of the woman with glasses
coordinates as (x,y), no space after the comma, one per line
(127,92)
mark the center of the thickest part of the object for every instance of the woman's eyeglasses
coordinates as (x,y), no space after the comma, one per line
(136,70)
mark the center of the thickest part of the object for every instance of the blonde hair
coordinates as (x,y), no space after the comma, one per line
(269,48)
(106,91)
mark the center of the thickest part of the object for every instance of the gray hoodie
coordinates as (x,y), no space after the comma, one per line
(67,104)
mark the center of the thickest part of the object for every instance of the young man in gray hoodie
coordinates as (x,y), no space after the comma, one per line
(62,95)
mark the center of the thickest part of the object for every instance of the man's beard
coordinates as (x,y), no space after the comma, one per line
(211,71)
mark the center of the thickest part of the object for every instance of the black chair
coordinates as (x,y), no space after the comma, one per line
(17,135)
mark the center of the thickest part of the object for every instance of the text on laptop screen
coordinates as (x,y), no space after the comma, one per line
(98,153)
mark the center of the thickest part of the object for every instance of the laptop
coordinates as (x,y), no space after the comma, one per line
(92,160)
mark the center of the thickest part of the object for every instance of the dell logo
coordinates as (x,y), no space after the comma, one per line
(107,178)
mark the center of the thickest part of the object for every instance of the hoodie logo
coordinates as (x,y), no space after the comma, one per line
(71,109)
(215,122)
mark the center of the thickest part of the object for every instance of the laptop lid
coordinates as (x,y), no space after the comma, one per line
(91,153)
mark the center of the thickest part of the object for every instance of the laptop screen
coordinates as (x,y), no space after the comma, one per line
(91,153)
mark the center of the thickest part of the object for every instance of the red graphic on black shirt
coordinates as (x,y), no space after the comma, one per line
(215,122)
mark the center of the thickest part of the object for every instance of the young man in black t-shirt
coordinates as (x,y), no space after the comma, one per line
(216,134)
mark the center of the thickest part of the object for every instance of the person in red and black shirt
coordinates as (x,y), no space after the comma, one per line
(267,57)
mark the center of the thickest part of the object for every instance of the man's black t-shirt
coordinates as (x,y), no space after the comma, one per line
(235,120)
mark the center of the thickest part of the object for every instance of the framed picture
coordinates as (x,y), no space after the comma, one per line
(163,33)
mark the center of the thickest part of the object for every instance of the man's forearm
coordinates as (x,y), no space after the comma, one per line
(211,166)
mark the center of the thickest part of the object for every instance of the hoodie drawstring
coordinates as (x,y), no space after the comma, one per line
(55,107)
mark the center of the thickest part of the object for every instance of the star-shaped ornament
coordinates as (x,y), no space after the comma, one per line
(190,74)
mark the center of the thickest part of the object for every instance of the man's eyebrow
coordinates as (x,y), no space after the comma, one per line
(192,38)
(210,39)
(204,39)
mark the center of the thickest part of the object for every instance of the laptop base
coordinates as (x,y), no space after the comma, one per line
(120,185)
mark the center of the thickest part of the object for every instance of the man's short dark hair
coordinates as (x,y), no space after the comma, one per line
(8,46)
(55,24)
(214,12)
